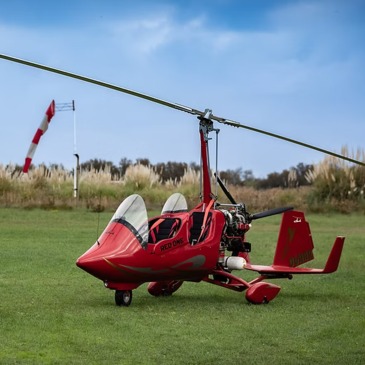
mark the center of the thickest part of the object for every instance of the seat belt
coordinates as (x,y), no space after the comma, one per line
(205,218)
(154,225)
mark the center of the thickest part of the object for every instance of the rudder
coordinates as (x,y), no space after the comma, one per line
(295,244)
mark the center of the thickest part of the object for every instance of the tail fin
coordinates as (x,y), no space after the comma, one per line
(295,244)
(335,255)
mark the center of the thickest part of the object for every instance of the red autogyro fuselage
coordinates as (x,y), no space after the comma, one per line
(123,257)
(178,245)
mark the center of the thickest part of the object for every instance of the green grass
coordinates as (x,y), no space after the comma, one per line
(51,312)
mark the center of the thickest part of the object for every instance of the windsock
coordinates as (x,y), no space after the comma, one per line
(40,131)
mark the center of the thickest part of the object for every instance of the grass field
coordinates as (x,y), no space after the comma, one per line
(51,312)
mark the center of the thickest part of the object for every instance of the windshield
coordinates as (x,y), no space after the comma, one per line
(175,203)
(132,213)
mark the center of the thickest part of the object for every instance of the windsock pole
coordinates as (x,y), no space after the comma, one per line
(77,161)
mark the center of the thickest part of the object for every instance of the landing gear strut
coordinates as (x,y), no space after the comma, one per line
(164,288)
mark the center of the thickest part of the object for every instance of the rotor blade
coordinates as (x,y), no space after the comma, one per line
(239,125)
(175,106)
(268,213)
(106,85)
(225,190)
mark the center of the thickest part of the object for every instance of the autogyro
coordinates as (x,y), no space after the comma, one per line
(206,243)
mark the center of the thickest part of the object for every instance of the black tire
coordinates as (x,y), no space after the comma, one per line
(123,297)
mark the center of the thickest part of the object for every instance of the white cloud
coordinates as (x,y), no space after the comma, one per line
(142,35)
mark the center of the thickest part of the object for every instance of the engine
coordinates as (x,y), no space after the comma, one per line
(233,238)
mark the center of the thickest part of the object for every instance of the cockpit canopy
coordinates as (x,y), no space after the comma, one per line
(176,203)
(132,213)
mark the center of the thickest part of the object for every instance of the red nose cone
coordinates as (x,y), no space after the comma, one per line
(116,247)
(91,264)
(84,263)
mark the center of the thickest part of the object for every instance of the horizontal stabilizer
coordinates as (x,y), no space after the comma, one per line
(331,264)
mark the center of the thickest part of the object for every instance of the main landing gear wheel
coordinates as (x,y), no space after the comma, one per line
(123,297)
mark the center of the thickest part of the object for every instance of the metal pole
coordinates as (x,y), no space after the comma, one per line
(77,162)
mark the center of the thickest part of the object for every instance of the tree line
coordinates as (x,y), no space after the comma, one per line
(293,177)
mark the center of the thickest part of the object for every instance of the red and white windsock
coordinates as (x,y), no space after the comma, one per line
(40,131)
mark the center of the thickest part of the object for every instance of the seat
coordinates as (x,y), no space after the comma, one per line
(196,227)
(163,228)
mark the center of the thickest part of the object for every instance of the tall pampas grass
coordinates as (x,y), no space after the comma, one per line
(141,176)
(338,181)
(335,185)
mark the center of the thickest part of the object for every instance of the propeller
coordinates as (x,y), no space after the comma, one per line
(268,213)
(180,107)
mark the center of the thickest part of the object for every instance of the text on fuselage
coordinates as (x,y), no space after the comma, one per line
(171,244)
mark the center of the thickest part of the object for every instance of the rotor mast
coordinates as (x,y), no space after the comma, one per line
(205,127)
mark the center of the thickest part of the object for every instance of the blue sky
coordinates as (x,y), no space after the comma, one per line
(295,68)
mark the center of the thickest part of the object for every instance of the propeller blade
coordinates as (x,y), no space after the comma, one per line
(176,106)
(225,190)
(268,213)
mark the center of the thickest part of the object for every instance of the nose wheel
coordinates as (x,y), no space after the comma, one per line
(123,298)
